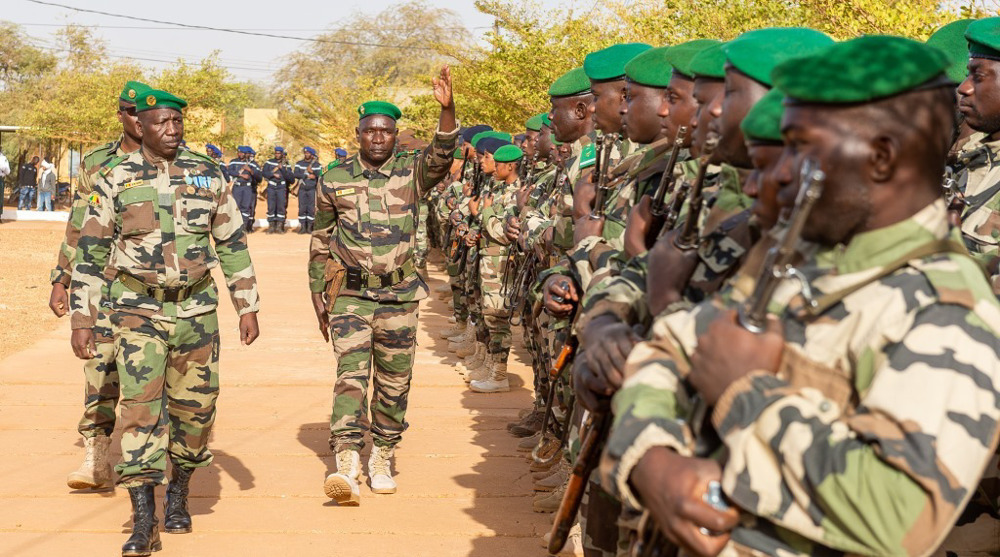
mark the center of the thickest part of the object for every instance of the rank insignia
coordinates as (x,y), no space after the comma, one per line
(133,184)
(344,191)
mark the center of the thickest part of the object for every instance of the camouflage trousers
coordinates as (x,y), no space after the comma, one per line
(474,294)
(100,376)
(363,331)
(457,283)
(420,255)
(169,375)
(496,317)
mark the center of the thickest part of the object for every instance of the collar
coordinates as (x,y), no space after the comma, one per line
(876,248)
(358,169)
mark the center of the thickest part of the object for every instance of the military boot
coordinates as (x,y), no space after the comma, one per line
(476,360)
(467,348)
(529,443)
(95,472)
(548,502)
(380,470)
(281,227)
(496,381)
(458,340)
(145,538)
(530,425)
(270,228)
(342,486)
(458,329)
(552,481)
(481,372)
(176,518)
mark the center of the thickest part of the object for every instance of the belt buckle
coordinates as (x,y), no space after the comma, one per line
(354,280)
(386,280)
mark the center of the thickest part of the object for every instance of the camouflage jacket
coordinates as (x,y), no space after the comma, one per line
(980,182)
(873,434)
(562,237)
(155,222)
(92,162)
(493,240)
(367,219)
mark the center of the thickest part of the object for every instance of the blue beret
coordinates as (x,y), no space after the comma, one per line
(279,149)
(309,150)
(242,149)
(251,151)
(340,152)
(472,131)
(213,149)
(491,144)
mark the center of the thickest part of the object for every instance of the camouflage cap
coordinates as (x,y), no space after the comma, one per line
(379,107)
(154,98)
(763,122)
(757,52)
(132,90)
(710,63)
(862,70)
(951,39)
(609,63)
(534,123)
(572,83)
(508,153)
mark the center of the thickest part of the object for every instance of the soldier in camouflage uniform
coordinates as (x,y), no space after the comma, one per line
(493,248)
(148,221)
(100,373)
(815,437)
(364,240)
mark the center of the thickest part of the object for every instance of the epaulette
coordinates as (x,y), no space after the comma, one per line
(106,169)
(402,154)
(332,165)
(197,155)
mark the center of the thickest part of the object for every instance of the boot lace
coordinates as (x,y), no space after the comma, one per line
(380,464)
(344,462)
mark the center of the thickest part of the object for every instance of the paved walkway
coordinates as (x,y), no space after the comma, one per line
(464,489)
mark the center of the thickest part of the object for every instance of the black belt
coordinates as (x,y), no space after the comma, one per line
(358,279)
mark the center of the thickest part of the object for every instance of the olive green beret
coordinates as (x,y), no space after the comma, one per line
(763,122)
(132,90)
(650,68)
(951,39)
(861,70)
(609,63)
(757,52)
(154,98)
(535,122)
(546,121)
(984,38)
(508,153)
(379,107)
(710,62)
(572,83)
(680,55)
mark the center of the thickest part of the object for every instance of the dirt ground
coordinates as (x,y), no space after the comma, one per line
(464,488)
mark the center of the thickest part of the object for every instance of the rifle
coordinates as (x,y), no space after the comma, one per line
(565,354)
(688,239)
(952,193)
(752,315)
(681,193)
(601,169)
(666,185)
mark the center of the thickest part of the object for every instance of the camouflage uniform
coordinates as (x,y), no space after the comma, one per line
(980,182)
(420,254)
(811,450)
(493,248)
(100,373)
(369,225)
(155,222)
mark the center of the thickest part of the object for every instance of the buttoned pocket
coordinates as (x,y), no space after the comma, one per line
(983,226)
(802,372)
(137,211)
(196,210)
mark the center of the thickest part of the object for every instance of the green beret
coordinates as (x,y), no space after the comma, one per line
(572,83)
(757,52)
(379,107)
(477,137)
(459,153)
(132,90)
(502,136)
(951,39)
(609,63)
(763,122)
(546,121)
(650,68)
(154,98)
(710,62)
(508,153)
(861,70)
(535,122)
(984,38)
(680,55)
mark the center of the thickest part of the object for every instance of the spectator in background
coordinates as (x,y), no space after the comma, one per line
(4,172)
(26,180)
(46,186)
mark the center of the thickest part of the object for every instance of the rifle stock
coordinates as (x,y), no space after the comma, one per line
(586,463)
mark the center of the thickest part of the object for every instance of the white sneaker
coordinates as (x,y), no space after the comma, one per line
(342,486)
(380,470)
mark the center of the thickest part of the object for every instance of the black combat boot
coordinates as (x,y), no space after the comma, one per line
(270,227)
(176,518)
(145,538)
(310,230)
(281,227)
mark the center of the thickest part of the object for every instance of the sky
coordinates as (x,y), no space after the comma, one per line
(247,57)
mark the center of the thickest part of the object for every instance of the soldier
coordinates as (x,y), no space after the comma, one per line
(364,284)
(279,177)
(215,154)
(246,175)
(808,411)
(340,155)
(307,173)
(153,211)
(100,373)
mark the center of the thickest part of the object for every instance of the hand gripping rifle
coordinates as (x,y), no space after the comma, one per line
(752,316)
(688,239)
(604,148)
(659,201)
